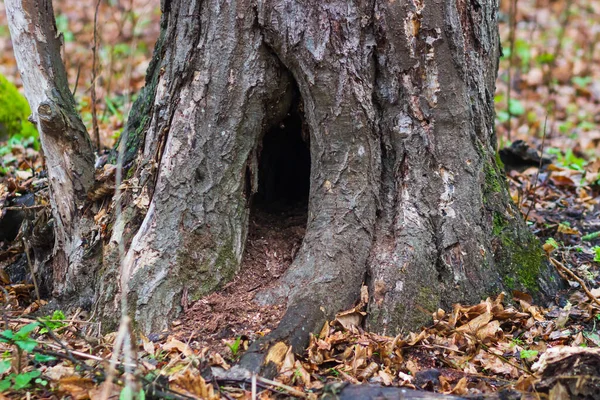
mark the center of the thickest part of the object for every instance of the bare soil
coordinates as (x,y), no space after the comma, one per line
(231,312)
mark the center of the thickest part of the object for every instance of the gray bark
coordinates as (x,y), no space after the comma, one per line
(68,151)
(405,191)
(447,231)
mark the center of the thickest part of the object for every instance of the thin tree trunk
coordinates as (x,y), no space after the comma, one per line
(68,152)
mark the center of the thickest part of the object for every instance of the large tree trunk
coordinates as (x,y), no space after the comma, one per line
(405,191)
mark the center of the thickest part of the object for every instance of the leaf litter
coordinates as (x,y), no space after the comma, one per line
(505,343)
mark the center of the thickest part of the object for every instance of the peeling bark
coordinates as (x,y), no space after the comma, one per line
(218,90)
(68,151)
(448,231)
(405,191)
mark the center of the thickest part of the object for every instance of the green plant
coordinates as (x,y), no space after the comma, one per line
(552,242)
(23,342)
(21,338)
(128,394)
(53,322)
(528,354)
(17,381)
(235,346)
(62,25)
(596,250)
(568,160)
(516,342)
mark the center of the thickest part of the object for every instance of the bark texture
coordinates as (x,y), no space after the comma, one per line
(68,151)
(447,231)
(218,90)
(405,191)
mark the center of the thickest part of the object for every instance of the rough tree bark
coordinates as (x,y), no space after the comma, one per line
(406,193)
(68,151)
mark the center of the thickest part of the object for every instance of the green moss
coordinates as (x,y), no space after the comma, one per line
(499,224)
(493,180)
(528,263)
(14,112)
(428,301)
(499,162)
(520,257)
(509,282)
(195,264)
(428,298)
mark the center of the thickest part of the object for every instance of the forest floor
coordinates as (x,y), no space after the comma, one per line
(552,61)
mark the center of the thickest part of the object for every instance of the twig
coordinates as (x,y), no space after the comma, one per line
(512,34)
(560,266)
(35,285)
(287,388)
(76,80)
(114,360)
(95,128)
(20,208)
(537,173)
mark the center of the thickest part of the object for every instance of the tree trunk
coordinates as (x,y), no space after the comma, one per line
(68,151)
(406,194)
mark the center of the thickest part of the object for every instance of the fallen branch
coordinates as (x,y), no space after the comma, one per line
(566,270)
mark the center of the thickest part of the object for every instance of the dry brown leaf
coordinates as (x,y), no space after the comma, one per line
(147,344)
(175,344)
(192,384)
(78,388)
(276,354)
(461,387)
(386,378)
(559,392)
(350,319)
(369,371)
(488,332)
(59,371)
(475,324)
(216,359)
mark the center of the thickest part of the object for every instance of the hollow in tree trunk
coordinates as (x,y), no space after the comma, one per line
(388,104)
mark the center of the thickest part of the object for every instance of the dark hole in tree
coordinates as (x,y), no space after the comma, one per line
(279,208)
(284,165)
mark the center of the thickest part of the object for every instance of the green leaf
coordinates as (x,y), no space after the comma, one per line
(5,384)
(502,116)
(582,81)
(41,381)
(4,366)
(126,393)
(515,107)
(43,358)
(591,236)
(596,250)
(527,354)
(27,329)
(5,335)
(545,58)
(27,344)
(23,380)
